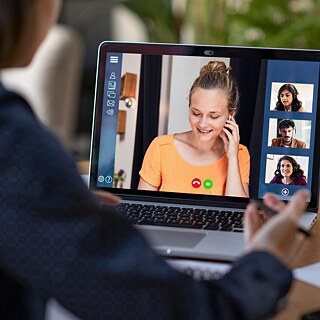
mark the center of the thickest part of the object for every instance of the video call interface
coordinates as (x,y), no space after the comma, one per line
(275,138)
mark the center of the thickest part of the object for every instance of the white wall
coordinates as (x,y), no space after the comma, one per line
(183,73)
(164,106)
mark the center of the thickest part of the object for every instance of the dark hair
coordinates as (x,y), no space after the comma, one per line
(297,171)
(296,104)
(286,123)
(14,18)
(215,75)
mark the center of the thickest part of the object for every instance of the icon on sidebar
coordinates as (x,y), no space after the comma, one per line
(110,112)
(101,178)
(111,94)
(108,179)
(114,59)
(112,85)
(110,103)
(113,76)
(196,183)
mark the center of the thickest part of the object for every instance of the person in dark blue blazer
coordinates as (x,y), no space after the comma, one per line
(56,240)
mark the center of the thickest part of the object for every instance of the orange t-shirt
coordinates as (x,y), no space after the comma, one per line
(163,167)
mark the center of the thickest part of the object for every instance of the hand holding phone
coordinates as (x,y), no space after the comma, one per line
(279,235)
(270,213)
(230,137)
(226,127)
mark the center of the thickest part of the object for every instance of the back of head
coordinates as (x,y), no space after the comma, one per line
(214,75)
(15,16)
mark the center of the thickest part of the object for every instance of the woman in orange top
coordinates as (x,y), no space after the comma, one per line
(208,159)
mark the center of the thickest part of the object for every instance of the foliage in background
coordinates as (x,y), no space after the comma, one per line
(160,22)
(269,23)
(207,21)
(277,23)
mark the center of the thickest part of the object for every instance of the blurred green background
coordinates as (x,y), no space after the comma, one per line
(266,23)
(263,23)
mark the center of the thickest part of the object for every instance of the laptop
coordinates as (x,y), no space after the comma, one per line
(142,92)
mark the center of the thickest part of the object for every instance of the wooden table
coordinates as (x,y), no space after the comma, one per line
(302,297)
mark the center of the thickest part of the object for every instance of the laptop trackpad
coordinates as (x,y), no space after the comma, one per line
(173,238)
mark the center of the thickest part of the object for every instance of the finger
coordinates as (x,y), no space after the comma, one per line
(264,218)
(252,221)
(107,197)
(233,124)
(233,121)
(272,201)
(234,129)
(224,137)
(228,133)
(297,205)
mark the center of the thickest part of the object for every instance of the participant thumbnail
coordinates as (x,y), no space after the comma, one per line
(291,97)
(286,169)
(289,133)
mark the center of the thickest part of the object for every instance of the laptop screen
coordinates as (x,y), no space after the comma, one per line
(153,130)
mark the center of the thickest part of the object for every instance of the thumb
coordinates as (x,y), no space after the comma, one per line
(297,205)
(252,222)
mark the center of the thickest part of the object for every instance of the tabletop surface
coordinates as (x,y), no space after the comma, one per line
(304,298)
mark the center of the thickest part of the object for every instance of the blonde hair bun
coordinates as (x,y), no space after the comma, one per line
(214,66)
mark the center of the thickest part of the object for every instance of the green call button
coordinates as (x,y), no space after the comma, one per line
(208,183)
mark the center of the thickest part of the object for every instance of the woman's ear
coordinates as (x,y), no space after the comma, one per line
(232,114)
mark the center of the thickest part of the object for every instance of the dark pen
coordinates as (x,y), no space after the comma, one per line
(270,213)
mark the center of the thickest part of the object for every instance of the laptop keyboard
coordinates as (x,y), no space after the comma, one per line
(180,217)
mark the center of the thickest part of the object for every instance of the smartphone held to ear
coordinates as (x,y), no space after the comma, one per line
(229,129)
(270,213)
(229,118)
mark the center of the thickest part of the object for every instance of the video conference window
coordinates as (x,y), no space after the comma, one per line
(289,133)
(183,116)
(291,97)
